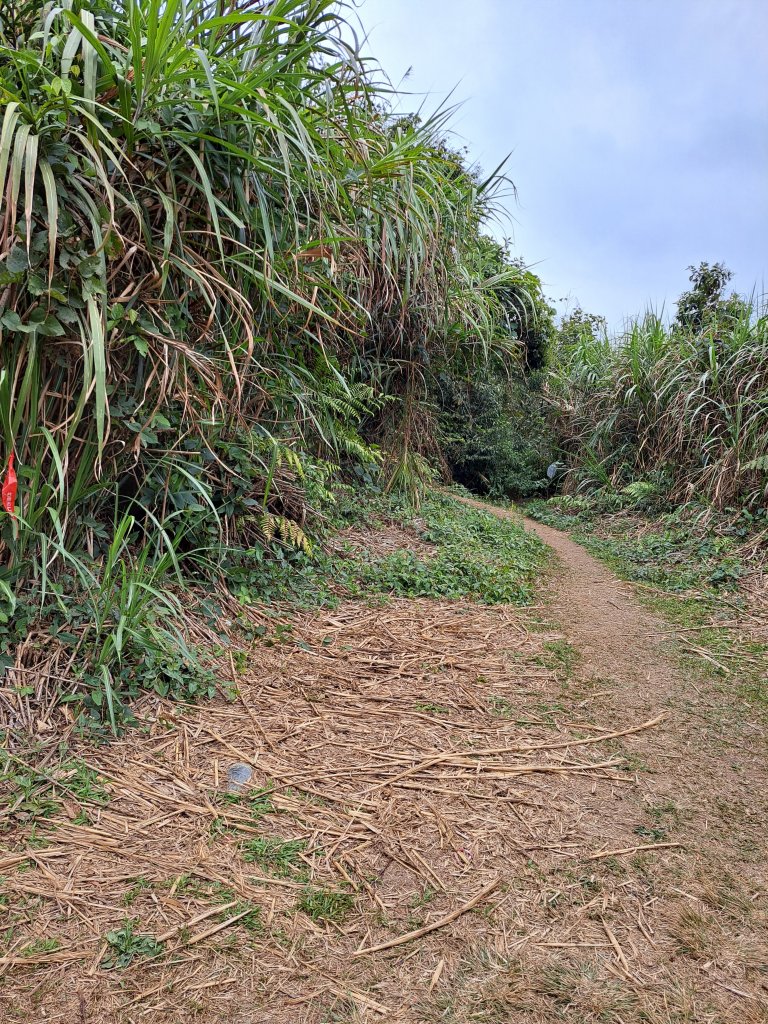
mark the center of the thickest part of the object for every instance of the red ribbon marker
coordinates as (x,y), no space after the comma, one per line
(10,485)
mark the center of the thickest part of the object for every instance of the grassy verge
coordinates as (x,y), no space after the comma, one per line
(704,575)
(96,644)
(475,555)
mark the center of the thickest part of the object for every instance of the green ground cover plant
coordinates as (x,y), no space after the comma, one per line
(476,555)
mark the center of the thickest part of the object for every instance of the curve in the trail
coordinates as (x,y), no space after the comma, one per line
(707,733)
(617,639)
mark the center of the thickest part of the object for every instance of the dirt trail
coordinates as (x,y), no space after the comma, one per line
(410,759)
(621,642)
(601,617)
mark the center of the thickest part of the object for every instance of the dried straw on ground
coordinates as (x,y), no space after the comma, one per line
(474,820)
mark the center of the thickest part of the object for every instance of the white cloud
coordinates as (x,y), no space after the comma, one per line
(638,129)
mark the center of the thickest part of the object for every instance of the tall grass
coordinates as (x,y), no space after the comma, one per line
(211,224)
(226,269)
(685,411)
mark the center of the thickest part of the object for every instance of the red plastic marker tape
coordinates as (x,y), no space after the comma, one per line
(10,485)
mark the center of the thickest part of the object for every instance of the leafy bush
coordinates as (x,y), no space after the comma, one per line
(495,434)
(115,622)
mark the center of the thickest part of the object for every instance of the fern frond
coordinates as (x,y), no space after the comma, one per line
(268,527)
(274,526)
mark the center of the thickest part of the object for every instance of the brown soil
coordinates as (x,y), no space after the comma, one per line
(425,753)
(390,538)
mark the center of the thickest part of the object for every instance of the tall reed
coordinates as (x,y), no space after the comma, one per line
(684,410)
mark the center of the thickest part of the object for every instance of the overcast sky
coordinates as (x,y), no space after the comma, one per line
(638,131)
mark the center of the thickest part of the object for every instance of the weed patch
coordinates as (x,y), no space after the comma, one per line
(325,904)
(476,555)
(126,945)
(275,856)
(40,946)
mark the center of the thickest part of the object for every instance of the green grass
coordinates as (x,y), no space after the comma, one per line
(502,707)
(560,656)
(40,946)
(423,898)
(325,904)
(665,810)
(260,803)
(251,919)
(34,795)
(275,856)
(652,834)
(431,709)
(670,551)
(257,802)
(131,894)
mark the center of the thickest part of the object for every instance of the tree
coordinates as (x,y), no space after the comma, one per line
(705,304)
(579,326)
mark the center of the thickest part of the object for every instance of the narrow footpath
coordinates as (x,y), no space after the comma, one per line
(456,813)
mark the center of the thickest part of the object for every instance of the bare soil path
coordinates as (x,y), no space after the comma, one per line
(601,616)
(457,814)
(712,776)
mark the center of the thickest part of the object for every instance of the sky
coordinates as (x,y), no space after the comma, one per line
(637,132)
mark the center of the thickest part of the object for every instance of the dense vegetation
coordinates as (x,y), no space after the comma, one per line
(229,277)
(674,412)
(234,283)
(496,436)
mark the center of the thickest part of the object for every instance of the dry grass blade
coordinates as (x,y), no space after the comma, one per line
(625,850)
(448,919)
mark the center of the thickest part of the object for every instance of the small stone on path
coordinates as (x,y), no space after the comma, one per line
(238,775)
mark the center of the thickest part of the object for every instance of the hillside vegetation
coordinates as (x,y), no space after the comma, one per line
(241,297)
(229,279)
